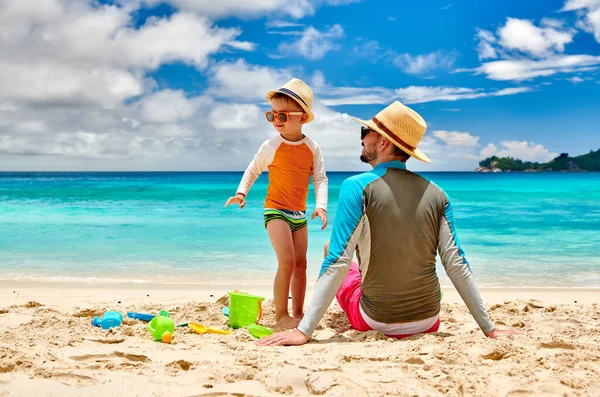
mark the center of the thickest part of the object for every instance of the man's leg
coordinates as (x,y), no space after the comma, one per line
(348,297)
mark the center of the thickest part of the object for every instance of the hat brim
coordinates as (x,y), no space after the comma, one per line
(417,153)
(306,109)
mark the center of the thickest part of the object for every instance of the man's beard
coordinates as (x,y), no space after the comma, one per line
(367,157)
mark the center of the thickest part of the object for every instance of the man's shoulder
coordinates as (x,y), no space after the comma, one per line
(361,180)
(432,186)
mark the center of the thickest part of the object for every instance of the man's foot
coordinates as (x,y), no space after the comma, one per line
(287,322)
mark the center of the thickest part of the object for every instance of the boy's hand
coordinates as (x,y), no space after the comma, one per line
(321,213)
(237,199)
(286,338)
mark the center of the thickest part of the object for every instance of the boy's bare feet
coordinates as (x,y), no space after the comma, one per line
(287,322)
(299,316)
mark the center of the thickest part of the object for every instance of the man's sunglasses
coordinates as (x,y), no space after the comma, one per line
(282,117)
(364,131)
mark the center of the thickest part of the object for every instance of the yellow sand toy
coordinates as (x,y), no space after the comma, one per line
(203,329)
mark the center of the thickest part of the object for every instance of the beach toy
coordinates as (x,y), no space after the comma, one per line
(162,327)
(141,316)
(258,331)
(225,311)
(109,320)
(244,309)
(202,329)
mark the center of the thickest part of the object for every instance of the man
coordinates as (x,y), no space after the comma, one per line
(396,221)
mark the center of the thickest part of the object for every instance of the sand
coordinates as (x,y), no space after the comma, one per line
(49,348)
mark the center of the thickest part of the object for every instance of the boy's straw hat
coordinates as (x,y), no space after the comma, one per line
(300,92)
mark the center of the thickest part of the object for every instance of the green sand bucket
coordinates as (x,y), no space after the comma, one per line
(244,309)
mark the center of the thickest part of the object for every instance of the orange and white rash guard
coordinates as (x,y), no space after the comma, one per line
(290,164)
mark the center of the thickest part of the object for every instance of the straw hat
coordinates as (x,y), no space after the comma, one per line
(300,92)
(402,126)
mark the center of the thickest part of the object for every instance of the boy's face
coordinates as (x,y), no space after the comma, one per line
(293,125)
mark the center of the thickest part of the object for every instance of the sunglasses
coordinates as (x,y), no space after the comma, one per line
(364,131)
(282,117)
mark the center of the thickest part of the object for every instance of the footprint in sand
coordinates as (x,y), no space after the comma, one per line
(138,358)
(179,365)
(558,344)
(88,313)
(66,376)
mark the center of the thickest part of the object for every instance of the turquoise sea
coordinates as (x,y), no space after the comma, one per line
(517,229)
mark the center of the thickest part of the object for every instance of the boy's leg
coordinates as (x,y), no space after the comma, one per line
(300,238)
(281,239)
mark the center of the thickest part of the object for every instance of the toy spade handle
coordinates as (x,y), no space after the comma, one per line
(260,312)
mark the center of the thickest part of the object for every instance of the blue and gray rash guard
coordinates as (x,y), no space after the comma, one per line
(397,222)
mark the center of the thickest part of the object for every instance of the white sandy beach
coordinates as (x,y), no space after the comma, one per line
(48,348)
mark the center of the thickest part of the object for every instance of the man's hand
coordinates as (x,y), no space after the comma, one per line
(286,338)
(321,213)
(495,333)
(237,199)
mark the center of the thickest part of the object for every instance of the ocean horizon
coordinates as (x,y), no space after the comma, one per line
(517,229)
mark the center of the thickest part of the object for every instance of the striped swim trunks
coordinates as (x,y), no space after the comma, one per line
(296,220)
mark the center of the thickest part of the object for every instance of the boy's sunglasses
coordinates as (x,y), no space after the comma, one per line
(282,117)
(364,131)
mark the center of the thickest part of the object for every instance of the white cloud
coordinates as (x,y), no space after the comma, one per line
(240,80)
(522,35)
(485,48)
(68,84)
(528,52)
(242,8)
(166,106)
(553,23)
(455,138)
(341,2)
(369,49)
(589,13)
(313,44)
(426,63)
(318,80)
(522,150)
(488,151)
(80,54)
(576,80)
(525,69)
(279,24)
(235,116)
(336,96)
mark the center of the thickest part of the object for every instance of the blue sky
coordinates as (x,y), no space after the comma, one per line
(179,85)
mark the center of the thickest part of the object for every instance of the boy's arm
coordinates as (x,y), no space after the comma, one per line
(320,178)
(261,161)
(344,239)
(458,269)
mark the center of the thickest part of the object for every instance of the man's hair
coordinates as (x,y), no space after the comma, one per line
(286,99)
(399,153)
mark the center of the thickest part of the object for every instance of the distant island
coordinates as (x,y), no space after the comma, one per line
(562,163)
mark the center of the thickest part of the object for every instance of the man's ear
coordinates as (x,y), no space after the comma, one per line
(303,118)
(383,143)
